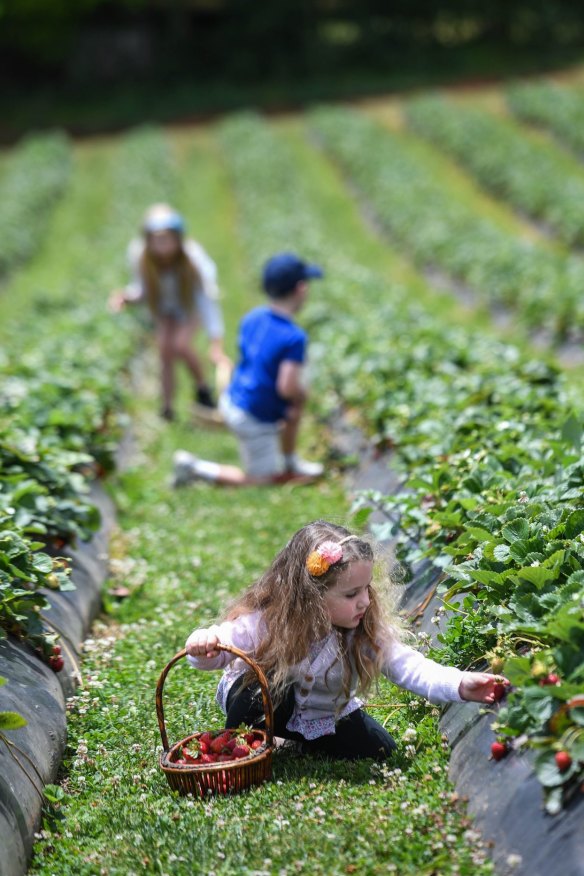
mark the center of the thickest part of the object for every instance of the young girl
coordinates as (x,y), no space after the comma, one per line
(314,623)
(178,281)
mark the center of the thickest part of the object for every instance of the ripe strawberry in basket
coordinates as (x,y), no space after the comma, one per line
(219,742)
(240,750)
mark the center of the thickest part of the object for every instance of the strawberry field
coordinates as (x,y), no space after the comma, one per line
(448,330)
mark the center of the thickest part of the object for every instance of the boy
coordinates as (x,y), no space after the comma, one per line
(264,403)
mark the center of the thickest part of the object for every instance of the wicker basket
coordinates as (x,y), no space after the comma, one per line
(217,778)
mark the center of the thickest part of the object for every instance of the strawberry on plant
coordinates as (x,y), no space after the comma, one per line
(56,650)
(552,678)
(56,663)
(499,690)
(563,761)
(499,750)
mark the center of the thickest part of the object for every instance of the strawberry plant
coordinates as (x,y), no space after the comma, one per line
(557,107)
(35,176)
(537,178)
(440,230)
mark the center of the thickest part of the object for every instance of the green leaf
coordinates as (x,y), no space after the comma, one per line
(361,517)
(572,431)
(517,530)
(502,553)
(539,576)
(574,524)
(11,721)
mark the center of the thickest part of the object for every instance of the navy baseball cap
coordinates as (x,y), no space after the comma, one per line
(283,271)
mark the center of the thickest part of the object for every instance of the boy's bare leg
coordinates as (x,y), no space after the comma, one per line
(289,433)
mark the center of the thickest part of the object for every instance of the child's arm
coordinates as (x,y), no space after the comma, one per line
(289,382)
(242,633)
(440,684)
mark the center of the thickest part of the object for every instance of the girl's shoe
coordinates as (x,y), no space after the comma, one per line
(205,398)
(167,414)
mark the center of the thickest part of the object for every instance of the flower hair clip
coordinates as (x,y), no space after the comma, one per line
(326,555)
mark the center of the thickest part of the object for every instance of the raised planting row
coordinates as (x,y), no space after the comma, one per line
(440,230)
(493,487)
(61,397)
(35,175)
(537,177)
(557,107)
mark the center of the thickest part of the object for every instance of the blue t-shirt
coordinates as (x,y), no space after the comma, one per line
(266,339)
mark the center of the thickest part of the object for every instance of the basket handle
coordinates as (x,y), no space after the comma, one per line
(266,699)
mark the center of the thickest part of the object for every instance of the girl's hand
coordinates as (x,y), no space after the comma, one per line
(482,687)
(117,300)
(202,643)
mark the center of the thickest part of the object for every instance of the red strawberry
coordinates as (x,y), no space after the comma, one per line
(223,758)
(499,750)
(206,738)
(209,758)
(56,663)
(552,678)
(257,743)
(204,748)
(563,761)
(499,691)
(56,650)
(189,758)
(240,751)
(249,737)
(219,743)
(231,744)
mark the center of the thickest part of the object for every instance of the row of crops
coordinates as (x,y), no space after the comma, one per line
(61,398)
(489,439)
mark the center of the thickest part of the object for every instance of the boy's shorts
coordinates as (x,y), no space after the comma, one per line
(259,443)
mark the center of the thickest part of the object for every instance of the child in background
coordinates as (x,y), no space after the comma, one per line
(178,281)
(314,623)
(264,403)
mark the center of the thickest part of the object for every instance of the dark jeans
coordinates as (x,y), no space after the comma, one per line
(356,736)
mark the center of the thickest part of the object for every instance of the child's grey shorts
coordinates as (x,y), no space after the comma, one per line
(259,443)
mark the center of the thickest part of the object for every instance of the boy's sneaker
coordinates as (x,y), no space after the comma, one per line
(205,398)
(304,469)
(183,468)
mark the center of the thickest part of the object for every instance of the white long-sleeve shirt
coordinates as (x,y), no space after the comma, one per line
(205,294)
(319,694)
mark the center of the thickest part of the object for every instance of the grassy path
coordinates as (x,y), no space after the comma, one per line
(182,555)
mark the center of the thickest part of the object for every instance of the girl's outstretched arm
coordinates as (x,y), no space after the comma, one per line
(482,687)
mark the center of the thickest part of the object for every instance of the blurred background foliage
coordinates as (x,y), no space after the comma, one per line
(64,49)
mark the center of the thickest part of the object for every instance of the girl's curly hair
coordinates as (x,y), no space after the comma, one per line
(294,613)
